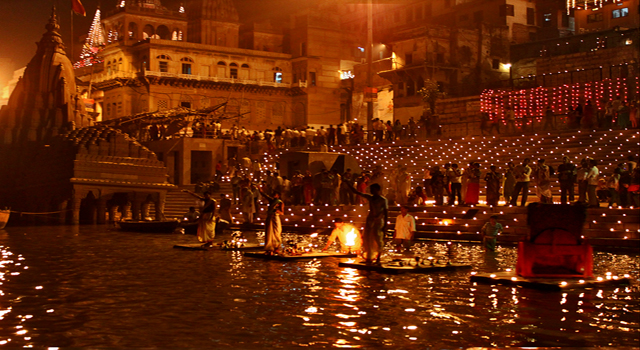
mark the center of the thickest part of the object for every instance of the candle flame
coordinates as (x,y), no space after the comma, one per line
(351,238)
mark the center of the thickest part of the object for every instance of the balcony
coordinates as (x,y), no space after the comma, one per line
(155,74)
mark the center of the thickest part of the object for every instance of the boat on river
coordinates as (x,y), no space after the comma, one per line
(4,217)
(167,226)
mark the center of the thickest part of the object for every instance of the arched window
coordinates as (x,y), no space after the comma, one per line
(244,71)
(163,63)
(163,32)
(186,65)
(148,32)
(222,70)
(133,30)
(233,70)
(177,35)
(277,75)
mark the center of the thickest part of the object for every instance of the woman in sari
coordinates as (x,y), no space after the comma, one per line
(473,185)
(206,222)
(493,179)
(272,225)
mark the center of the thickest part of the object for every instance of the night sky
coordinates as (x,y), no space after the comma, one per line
(22,23)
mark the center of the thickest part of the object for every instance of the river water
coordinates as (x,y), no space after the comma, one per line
(92,286)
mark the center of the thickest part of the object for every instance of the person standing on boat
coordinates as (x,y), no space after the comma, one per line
(376,225)
(489,232)
(272,225)
(206,222)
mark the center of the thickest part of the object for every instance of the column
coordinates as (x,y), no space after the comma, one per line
(101,210)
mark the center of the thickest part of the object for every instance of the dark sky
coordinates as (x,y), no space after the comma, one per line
(22,23)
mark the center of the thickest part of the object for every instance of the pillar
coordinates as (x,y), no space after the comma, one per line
(159,205)
(75,209)
(135,209)
(101,210)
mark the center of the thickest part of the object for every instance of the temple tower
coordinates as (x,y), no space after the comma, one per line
(45,102)
(213,22)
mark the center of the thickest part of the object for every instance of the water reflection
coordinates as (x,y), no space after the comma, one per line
(107,288)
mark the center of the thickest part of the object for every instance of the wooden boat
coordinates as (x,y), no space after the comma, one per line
(149,226)
(510,278)
(397,267)
(312,255)
(4,217)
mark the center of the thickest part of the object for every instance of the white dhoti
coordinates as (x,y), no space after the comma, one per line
(273,233)
(206,228)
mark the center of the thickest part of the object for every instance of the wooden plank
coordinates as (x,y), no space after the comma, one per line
(199,246)
(195,246)
(314,255)
(551,284)
(396,268)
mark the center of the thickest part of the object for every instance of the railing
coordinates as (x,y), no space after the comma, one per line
(219,79)
(118,75)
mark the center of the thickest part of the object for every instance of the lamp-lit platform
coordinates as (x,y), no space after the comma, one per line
(397,267)
(551,284)
(312,255)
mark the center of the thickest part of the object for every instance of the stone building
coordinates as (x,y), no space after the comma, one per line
(54,161)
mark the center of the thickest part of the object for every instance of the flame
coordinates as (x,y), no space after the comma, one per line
(351,238)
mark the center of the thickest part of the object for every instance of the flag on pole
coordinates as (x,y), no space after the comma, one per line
(77,7)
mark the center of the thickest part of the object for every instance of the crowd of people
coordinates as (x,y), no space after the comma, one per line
(449,184)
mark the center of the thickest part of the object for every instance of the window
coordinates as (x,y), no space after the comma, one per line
(222,69)
(507,10)
(618,13)
(277,77)
(495,64)
(411,88)
(233,71)
(531,16)
(185,104)
(163,104)
(163,66)
(400,89)
(312,78)
(408,58)
(547,20)
(186,67)
(244,71)
(595,17)
(303,49)
(440,57)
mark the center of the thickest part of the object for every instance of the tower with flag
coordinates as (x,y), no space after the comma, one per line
(94,43)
